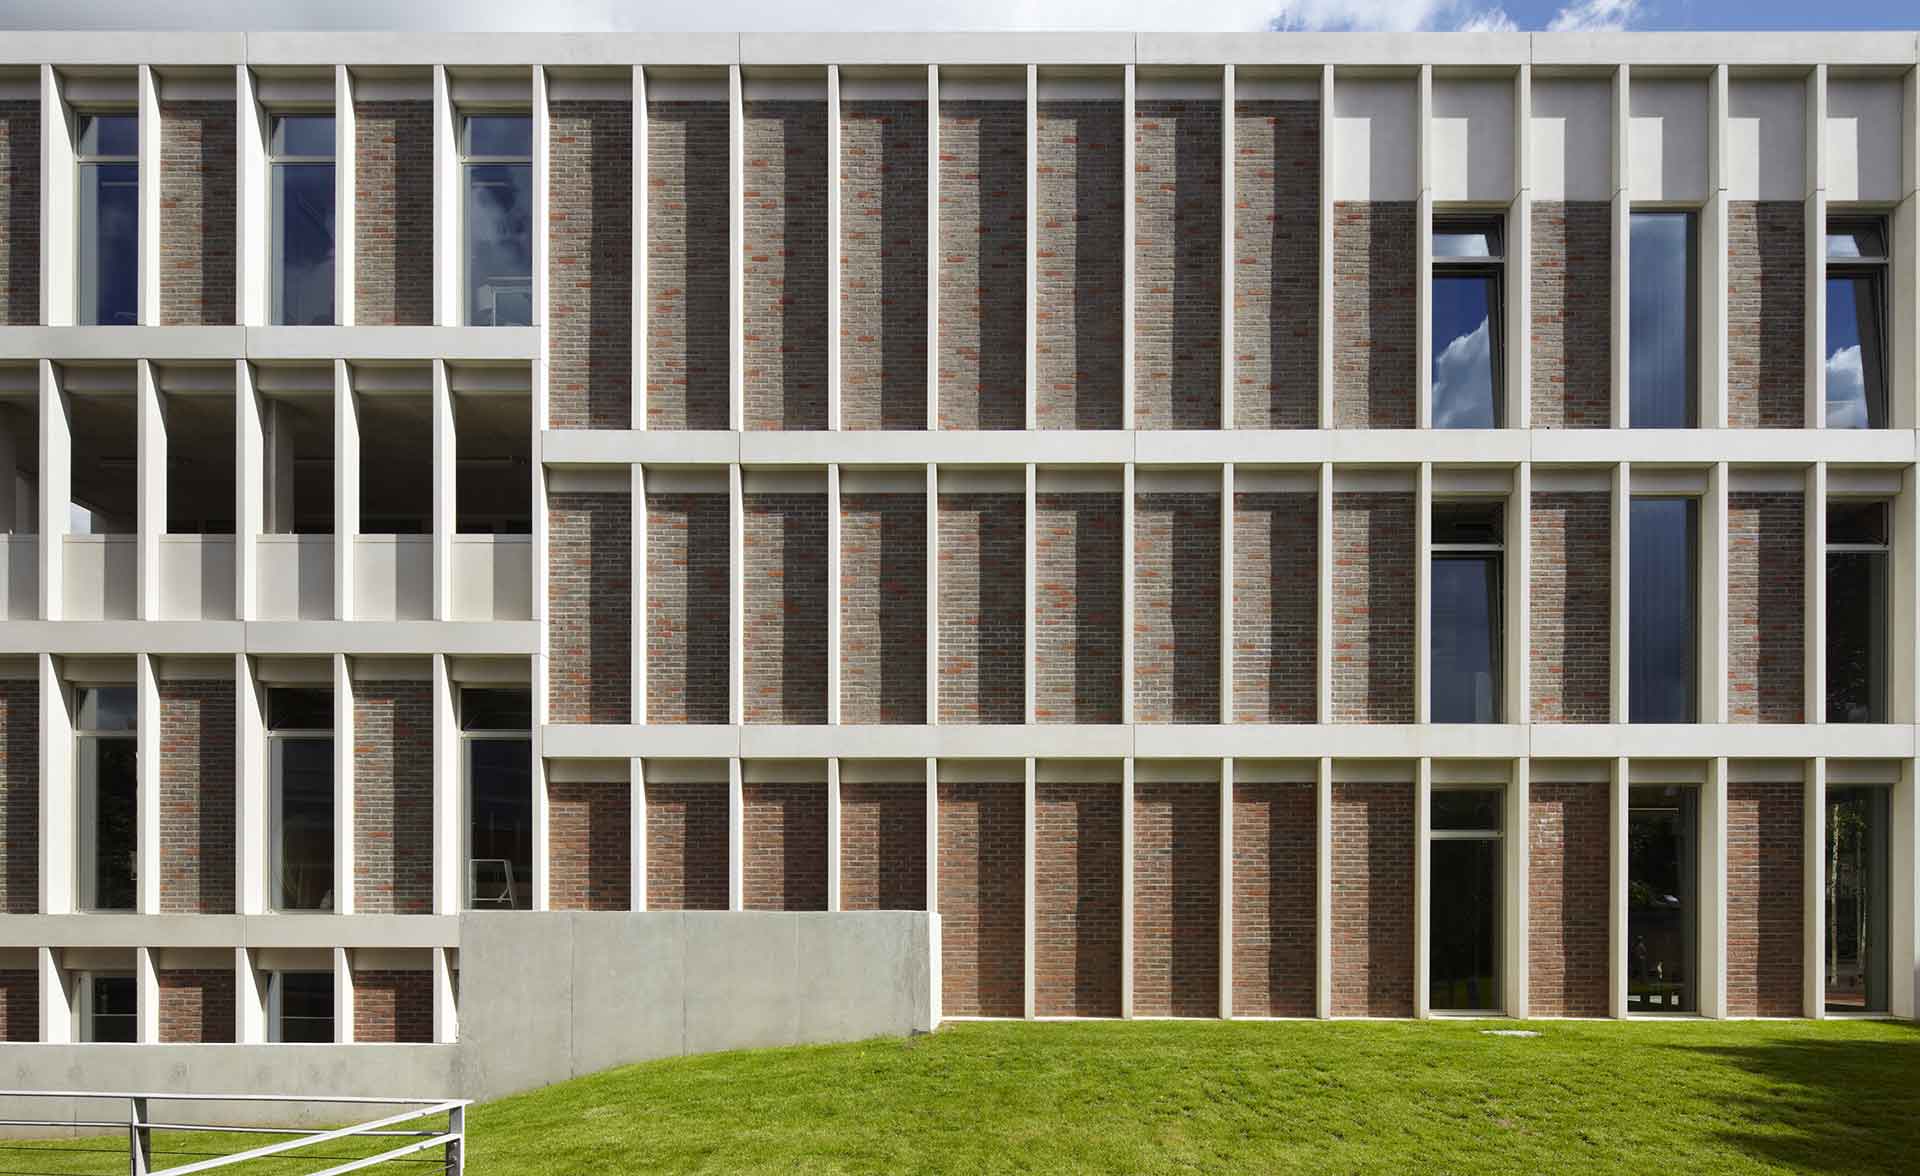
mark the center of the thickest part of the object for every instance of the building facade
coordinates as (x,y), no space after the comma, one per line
(1258,526)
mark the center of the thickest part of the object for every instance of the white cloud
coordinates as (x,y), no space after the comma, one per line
(1461,378)
(1595,16)
(1488,20)
(1846,390)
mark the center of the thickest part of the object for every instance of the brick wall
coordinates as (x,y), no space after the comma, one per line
(1372,900)
(983,608)
(1570,592)
(197,217)
(1375,363)
(1373,573)
(590,265)
(1572,315)
(982,895)
(1177,230)
(1276,295)
(1176,899)
(392,1006)
(883,264)
(588,834)
(1567,894)
(1765,907)
(1077,604)
(393,798)
(1766,314)
(197,730)
(688,589)
(687,845)
(785,286)
(687,265)
(20,797)
(786,608)
(1275,912)
(393,258)
(1076,900)
(20,219)
(1176,608)
(1276,609)
(1766,607)
(785,846)
(589,607)
(196,1005)
(983,265)
(1080,287)
(883,608)
(20,1005)
(883,845)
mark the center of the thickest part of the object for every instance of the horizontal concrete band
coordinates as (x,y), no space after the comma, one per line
(271,344)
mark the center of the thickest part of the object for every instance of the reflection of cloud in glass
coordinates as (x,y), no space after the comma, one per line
(1846,390)
(500,243)
(1463,381)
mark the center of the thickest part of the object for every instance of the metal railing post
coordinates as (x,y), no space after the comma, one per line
(456,1146)
(139,1140)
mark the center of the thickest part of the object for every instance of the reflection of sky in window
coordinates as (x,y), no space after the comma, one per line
(1660,629)
(1659,355)
(1463,639)
(1853,354)
(1462,352)
(110,134)
(109,243)
(509,135)
(499,244)
(106,708)
(304,212)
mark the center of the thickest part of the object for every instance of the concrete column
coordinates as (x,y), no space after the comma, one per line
(1129,248)
(1126,886)
(345,158)
(1622,517)
(252,806)
(1904,687)
(279,459)
(1226,888)
(835,287)
(343,812)
(1519,275)
(1713,891)
(449,302)
(1517,646)
(542,215)
(1423,593)
(638,668)
(834,603)
(736,268)
(1323,672)
(736,839)
(346,488)
(1226,592)
(249,1000)
(1618,947)
(1814,649)
(147,104)
(250,204)
(1813,891)
(933,841)
(542,811)
(146,997)
(446,448)
(1422,888)
(1027,856)
(1323,889)
(1516,958)
(58,188)
(1816,255)
(833,833)
(1032,561)
(1904,389)
(933,594)
(249,508)
(1713,604)
(1712,408)
(1325,286)
(56,490)
(1033,309)
(1904,937)
(56,792)
(641,249)
(56,999)
(146,738)
(637,833)
(1128,556)
(933,260)
(446,1011)
(342,997)
(1228,203)
(449,795)
(1622,232)
(1423,252)
(150,511)
(736,590)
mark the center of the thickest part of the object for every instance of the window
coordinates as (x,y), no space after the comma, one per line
(496,727)
(1857,612)
(1856,324)
(1463,953)
(300,743)
(1466,612)
(1663,608)
(300,1007)
(105,1008)
(303,219)
(1663,871)
(1468,344)
(1662,314)
(109,816)
(1857,897)
(498,149)
(109,244)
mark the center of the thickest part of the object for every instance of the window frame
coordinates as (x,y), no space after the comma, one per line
(82,161)
(276,739)
(1878,271)
(276,213)
(86,801)
(467,739)
(468,161)
(1494,552)
(1497,835)
(1494,225)
(1883,551)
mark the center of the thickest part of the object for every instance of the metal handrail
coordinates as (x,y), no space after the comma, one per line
(140,1128)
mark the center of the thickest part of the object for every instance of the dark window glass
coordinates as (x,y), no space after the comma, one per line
(1662,648)
(300,708)
(1466,638)
(309,136)
(1856,241)
(109,244)
(113,1017)
(109,135)
(106,708)
(303,839)
(1857,894)
(1857,522)
(499,244)
(306,1007)
(499,135)
(500,833)
(1475,241)
(496,710)
(303,238)
(1478,523)
(1466,810)
(1662,300)
(1856,637)
(1464,948)
(1662,884)
(1856,349)
(110,788)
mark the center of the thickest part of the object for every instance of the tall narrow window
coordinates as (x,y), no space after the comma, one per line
(109,816)
(1857,612)
(300,739)
(1468,344)
(1463,953)
(1663,872)
(498,150)
(106,1007)
(1663,322)
(1663,610)
(300,1007)
(1857,895)
(496,726)
(108,151)
(303,220)
(1466,612)
(1857,324)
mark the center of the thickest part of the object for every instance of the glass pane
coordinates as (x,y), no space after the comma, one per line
(306,1007)
(500,834)
(109,244)
(309,135)
(1468,522)
(1458,241)
(499,245)
(303,843)
(1662,605)
(1466,810)
(1856,522)
(1465,948)
(496,710)
(1857,637)
(299,708)
(1464,345)
(1857,900)
(111,789)
(114,1016)
(1855,241)
(1466,639)
(1661,309)
(109,135)
(303,221)
(1856,367)
(1662,875)
(509,135)
(106,708)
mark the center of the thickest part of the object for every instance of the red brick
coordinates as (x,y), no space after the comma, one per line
(785,846)
(1766,907)
(20,797)
(393,260)
(983,608)
(1076,900)
(688,589)
(1276,268)
(983,265)
(982,894)
(1373,605)
(1077,604)
(393,798)
(1176,610)
(197,216)
(590,265)
(883,845)
(589,837)
(687,265)
(785,288)
(20,215)
(196,1005)
(1275,909)
(197,795)
(1571,596)
(1176,899)
(1080,246)
(19,1005)
(1372,900)
(883,608)
(1766,607)
(590,607)
(1374,359)
(687,846)
(1177,210)
(785,546)
(1276,607)
(1568,899)
(392,1006)
(1766,314)
(883,264)
(1572,315)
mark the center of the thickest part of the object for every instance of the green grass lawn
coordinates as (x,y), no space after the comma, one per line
(1678,1097)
